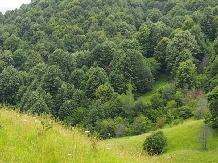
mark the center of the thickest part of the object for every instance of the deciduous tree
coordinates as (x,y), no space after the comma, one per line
(10,81)
(185,74)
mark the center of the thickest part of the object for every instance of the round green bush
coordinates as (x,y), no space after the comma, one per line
(155,143)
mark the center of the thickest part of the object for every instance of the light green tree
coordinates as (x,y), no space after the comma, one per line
(212,98)
(185,74)
(182,40)
(104,92)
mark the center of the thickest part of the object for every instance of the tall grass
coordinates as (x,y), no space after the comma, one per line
(25,138)
(28,139)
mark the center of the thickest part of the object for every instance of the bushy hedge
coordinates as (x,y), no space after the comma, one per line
(155,143)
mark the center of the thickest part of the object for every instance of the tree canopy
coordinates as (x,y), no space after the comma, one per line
(88,62)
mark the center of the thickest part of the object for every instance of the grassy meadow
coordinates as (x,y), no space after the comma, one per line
(183,144)
(25,138)
(161,82)
(28,139)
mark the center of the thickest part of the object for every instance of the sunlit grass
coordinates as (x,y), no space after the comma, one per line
(183,145)
(162,81)
(23,139)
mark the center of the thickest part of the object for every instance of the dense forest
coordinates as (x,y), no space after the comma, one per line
(89,62)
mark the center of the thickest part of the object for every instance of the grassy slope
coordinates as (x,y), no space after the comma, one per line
(183,145)
(22,139)
(162,81)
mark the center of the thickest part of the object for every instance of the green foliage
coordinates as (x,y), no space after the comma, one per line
(66,109)
(206,22)
(64,93)
(160,52)
(150,34)
(10,82)
(206,49)
(154,15)
(77,78)
(120,130)
(216,45)
(6,59)
(12,43)
(103,53)
(105,128)
(183,56)
(211,74)
(182,40)
(153,65)
(131,64)
(195,5)
(157,101)
(36,101)
(128,101)
(126,44)
(65,61)
(19,57)
(32,60)
(79,57)
(155,143)
(96,77)
(52,79)
(185,74)
(212,98)
(204,135)
(104,92)
(183,112)
(143,38)
(141,124)
(117,81)
(188,24)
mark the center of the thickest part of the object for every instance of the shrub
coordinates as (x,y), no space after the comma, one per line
(204,135)
(183,112)
(161,123)
(141,125)
(120,130)
(155,143)
(105,128)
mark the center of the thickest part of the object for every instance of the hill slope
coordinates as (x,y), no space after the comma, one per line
(25,138)
(86,61)
(183,145)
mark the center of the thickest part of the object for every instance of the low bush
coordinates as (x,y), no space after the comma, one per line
(155,143)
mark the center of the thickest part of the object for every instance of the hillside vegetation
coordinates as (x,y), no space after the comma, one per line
(183,144)
(23,139)
(117,67)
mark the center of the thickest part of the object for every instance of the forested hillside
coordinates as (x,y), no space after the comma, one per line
(88,62)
